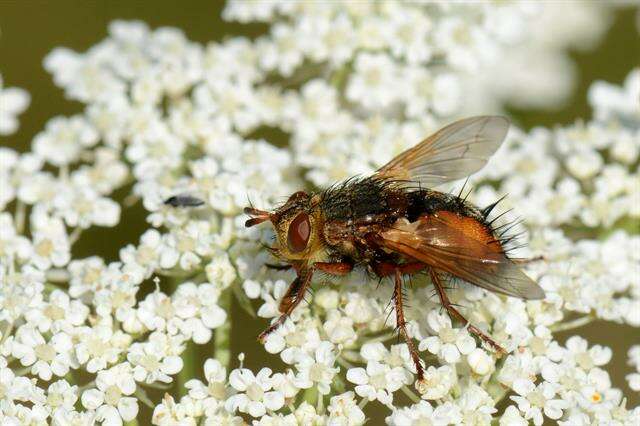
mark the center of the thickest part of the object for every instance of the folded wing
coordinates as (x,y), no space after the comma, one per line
(435,242)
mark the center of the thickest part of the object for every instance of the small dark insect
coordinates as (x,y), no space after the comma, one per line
(183,200)
(392,224)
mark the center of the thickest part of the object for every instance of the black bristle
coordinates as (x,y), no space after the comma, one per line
(499,216)
(487,210)
(463,185)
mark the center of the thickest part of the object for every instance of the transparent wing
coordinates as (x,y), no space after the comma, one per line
(452,153)
(435,242)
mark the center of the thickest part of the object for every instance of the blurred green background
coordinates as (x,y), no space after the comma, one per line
(29,29)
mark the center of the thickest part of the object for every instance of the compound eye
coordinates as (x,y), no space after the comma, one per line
(299,232)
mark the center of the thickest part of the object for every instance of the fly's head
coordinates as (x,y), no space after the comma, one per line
(297,224)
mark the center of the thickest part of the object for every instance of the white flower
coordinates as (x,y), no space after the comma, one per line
(634,360)
(450,342)
(64,139)
(610,101)
(378,381)
(51,245)
(155,360)
(170,413)
(61,396)
(344,411)
(45,357)
(214,393)
(99,346)
(318,370)
(437,382)
(580,354)
(255,395)
(424,413)
(157,312)
(111,398)
(476,405)
(398,356)
(512,417)
(14,101)
(339,328)
(197,307)
(374,81)
(220,271)
(584,164)
(81,206)
(480,362)
(534,400)
(283,53)
(59,314)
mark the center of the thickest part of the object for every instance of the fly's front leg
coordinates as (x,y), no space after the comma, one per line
(291,299)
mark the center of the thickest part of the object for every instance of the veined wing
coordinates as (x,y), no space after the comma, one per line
(435,242)
(452,153)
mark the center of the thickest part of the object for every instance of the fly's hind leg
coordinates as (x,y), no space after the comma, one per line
(402,324)
(291,299)
(453,312)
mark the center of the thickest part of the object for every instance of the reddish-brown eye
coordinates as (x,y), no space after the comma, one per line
(299,232)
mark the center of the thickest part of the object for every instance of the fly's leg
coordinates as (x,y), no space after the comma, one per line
(453,312)
(292,298)
(334,268)
(402,324)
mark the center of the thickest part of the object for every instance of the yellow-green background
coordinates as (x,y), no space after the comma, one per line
(29,29)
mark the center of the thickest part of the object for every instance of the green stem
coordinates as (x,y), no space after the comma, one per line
(75,235)
(344,363)
(363,402)
(222,342)
(143,397)
(570,325)
(310,395)
(381,338)
(351,356)
(188,371)
(86,386)
(320,404)
(6,333)
(21,210)
(189,356)
(412,396)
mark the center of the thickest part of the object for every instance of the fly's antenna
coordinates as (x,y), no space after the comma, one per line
(257,216)
(183,200)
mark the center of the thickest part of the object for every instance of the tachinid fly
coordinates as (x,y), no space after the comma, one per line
(393,224)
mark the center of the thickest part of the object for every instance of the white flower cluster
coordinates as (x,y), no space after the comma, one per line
(86,340)
(13,101)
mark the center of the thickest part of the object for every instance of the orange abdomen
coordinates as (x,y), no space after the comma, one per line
(471,228)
